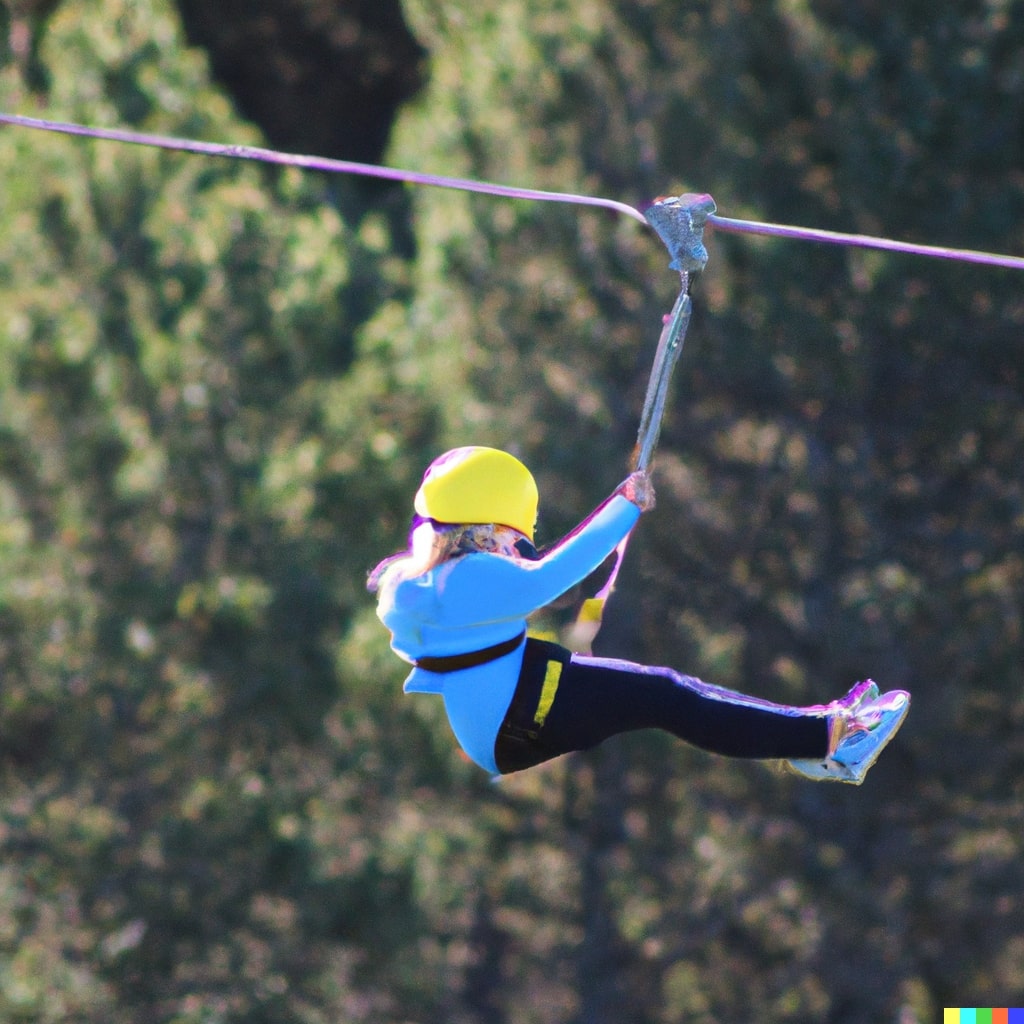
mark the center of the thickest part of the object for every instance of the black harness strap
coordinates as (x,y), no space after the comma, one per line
(455,662)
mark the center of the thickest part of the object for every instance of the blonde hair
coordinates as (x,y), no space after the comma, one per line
(431,544)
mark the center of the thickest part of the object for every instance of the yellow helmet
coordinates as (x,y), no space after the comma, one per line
(479,485)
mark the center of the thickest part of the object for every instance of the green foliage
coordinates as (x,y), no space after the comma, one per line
(218,387)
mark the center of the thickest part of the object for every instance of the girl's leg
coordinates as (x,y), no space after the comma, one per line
(587,700)
(603,697)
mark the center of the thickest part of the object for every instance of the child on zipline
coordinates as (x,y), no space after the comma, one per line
(456,604)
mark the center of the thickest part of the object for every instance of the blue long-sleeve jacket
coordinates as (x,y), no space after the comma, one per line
(477,600)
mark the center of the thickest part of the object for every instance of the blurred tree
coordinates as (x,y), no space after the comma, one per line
(217,392)
(22,23)
(180,419)
(317,76)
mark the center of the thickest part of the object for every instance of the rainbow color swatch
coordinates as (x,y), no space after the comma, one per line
(988,1015)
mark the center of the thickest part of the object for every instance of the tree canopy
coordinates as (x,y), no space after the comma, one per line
(220,382)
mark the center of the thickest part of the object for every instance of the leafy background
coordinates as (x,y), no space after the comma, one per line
(219,384)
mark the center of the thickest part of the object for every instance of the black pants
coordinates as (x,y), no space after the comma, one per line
(597,698)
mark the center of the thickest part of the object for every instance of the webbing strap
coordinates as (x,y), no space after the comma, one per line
(679,222)
(588,619)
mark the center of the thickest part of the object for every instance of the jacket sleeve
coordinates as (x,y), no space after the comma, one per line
(486,588)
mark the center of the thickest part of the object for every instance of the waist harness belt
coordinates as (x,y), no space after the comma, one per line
(454,662)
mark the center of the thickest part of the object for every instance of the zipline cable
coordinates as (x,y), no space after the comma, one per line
(752,227)
(331,166)
(315,163)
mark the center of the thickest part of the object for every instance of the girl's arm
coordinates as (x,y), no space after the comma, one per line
(484,587)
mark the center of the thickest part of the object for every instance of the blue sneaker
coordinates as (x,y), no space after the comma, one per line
(860,725)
